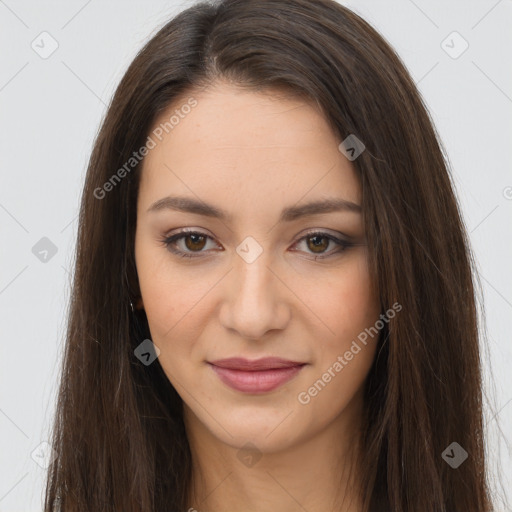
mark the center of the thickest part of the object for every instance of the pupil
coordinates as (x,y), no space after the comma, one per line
(317,243)
(195,241)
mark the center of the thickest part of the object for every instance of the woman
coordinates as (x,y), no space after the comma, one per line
(273,305)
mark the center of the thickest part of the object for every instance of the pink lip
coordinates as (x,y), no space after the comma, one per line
(258,376)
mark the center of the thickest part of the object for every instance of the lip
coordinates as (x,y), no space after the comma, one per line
(258,376)
(264,363)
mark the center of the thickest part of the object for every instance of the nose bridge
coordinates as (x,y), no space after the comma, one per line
(255,303)
(254,279)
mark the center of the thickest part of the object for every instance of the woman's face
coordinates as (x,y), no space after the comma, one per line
(255,281)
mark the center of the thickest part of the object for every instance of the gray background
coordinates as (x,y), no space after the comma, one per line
(51,109)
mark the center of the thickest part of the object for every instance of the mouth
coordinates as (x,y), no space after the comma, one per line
(260,376)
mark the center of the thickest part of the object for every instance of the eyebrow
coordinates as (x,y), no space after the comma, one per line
(290,213)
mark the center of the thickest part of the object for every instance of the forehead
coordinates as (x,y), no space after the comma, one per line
(243,146)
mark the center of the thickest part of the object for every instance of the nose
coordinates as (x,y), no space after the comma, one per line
(256,299)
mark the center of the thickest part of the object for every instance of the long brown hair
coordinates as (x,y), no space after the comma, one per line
(119,435)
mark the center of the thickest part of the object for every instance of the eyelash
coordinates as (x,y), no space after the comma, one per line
(171,240)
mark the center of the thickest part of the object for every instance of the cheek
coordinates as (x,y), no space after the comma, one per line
(168,310)
(160,289)
(346,305)
(163,290)
(174,301)
(357,306)
(346,352)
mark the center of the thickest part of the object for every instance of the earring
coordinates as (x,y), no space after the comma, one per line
(131,306)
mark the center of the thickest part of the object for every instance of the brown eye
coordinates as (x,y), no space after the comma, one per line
(194,241)
(187,244)
(319,243)
(191,244)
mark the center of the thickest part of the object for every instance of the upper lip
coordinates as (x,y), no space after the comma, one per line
(265,363)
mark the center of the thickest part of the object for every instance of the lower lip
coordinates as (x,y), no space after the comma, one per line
(261,381)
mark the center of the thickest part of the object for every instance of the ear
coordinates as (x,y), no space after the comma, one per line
(139,304)
(132,281)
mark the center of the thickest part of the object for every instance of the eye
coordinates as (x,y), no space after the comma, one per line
(190,244)
(193,241)
(317,242)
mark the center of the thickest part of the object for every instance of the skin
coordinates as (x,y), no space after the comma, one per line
(253,154)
